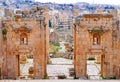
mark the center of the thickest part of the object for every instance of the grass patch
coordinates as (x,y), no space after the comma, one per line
(54,48)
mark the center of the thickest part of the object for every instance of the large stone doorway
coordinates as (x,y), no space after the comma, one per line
(90,38)
(29,37)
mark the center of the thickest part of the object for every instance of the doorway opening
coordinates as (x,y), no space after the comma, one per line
(94,66)
(60,64)
(25,66)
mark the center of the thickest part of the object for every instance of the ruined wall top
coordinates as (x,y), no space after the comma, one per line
(97,15)
(97,21)
(33,13)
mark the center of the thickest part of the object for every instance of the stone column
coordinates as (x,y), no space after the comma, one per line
(80,55)
(107,65)
(40,57)
(1,56)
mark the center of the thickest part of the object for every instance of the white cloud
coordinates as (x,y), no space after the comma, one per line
(90,1)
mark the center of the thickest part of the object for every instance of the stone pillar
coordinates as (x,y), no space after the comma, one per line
(40,55)
(81,65)
(80,55)
(116,69)
(46,47)
(10,57)
(4,65)
(17,65)
(107,65)
(1,56)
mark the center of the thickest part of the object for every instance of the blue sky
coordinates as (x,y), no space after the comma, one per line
(116,2)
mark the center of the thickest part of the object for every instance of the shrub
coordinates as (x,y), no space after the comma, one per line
(76,77)
(62,77)
(97,31)
(54,48)
(102,77)
(91,58)
(112,78)
(56,44)
(46,76)
(4,31)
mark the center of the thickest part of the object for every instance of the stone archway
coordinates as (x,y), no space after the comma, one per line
(30,36)
(85,41)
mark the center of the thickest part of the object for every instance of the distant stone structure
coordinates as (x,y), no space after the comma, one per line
(8,13)
(62,24)
(22,36)
(75,13)
(54,38)
(97,34)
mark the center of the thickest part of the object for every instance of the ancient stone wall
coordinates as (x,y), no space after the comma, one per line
(35,43)
(93,34)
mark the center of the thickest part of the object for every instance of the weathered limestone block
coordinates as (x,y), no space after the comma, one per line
(23,59)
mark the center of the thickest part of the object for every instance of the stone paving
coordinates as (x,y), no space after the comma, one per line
(61,66)
(93,70)
(61,61)
(24,67)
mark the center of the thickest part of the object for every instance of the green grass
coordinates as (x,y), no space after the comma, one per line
(54,48)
